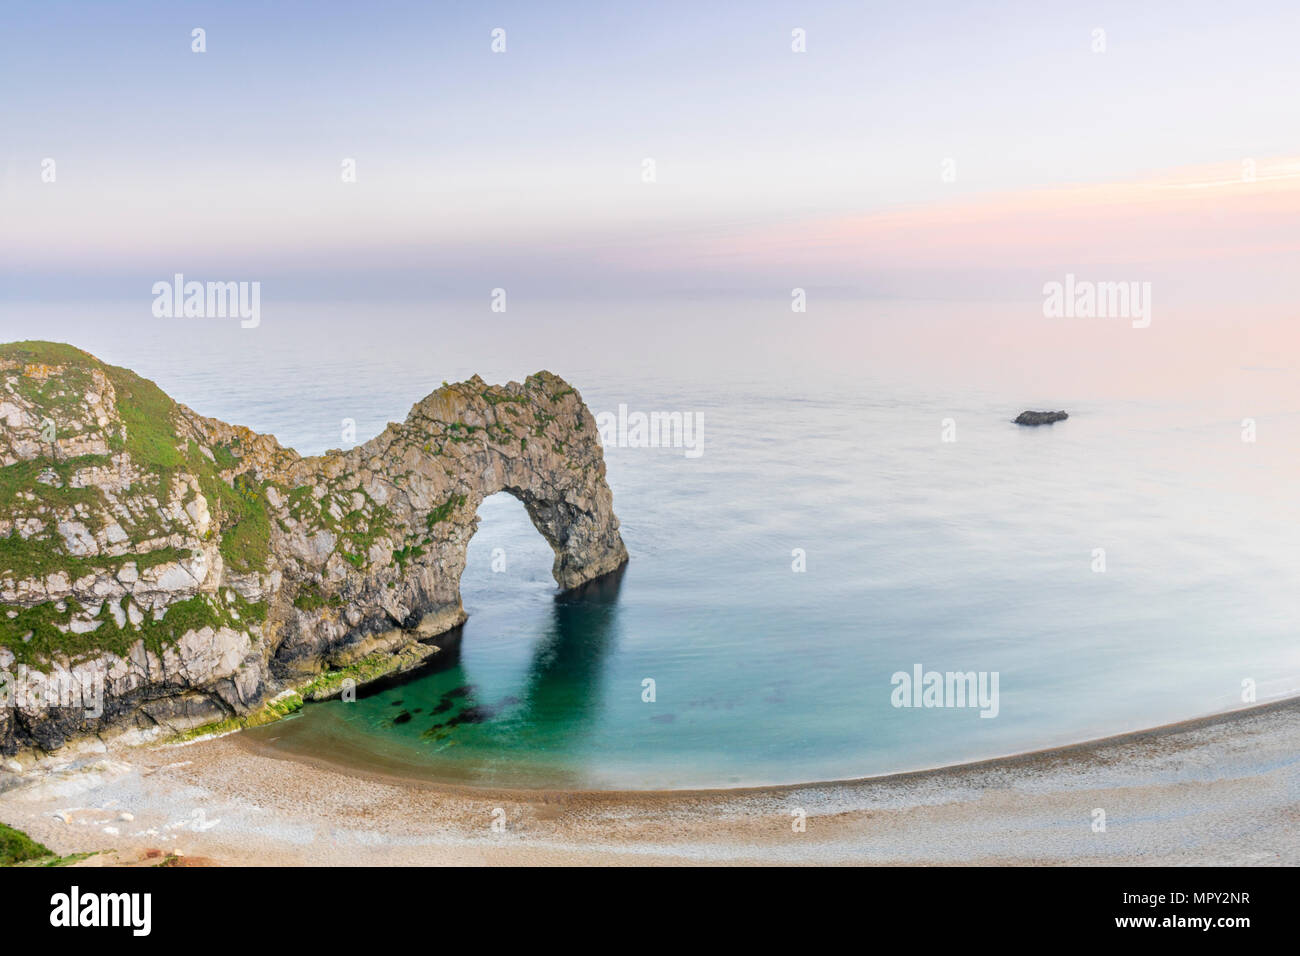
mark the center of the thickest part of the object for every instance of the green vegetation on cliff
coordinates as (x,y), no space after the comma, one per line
(241,503)
(18,847)
(287,703)
(366,670)
(443,511)
(53,499)
(310,598)
(37,352)
(148,433)
(147,413)
(356,529)
(42,632)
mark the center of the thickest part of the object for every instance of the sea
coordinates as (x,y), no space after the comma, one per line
(858,510)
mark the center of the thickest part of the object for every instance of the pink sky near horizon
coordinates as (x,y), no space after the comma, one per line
(1184,216)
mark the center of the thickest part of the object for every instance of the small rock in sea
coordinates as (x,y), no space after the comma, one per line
(1040,418)
(442,707)
(459,691)
(397,703)
(417,710)
(402,718)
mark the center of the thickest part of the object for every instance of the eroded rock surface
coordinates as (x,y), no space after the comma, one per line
(1040,418)
(194,569)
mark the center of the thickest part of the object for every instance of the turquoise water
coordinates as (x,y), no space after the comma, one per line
(972,555)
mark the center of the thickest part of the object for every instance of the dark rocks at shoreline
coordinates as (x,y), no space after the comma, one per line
(1040,418)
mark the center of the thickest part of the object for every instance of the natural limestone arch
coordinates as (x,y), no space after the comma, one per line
(183,570)
(419,486)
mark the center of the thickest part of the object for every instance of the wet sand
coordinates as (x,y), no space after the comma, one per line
(1217,790)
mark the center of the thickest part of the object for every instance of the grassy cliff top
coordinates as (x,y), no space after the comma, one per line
(37,352)
(51,490)
(145,409)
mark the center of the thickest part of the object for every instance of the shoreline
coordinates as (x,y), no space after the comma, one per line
(254,745)
(1217,789)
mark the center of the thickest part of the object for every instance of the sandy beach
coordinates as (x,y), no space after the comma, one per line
(1217,790)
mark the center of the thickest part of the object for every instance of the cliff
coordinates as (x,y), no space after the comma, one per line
(194,571)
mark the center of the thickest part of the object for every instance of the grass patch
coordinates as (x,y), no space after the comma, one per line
(407,554)
(310,598)
(147,412)
(499,398)
(240,505)
(460,432)
(443,511)
(18,847)
(246,526)
(35,634)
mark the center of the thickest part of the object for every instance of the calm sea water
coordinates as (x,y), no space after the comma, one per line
(971,555)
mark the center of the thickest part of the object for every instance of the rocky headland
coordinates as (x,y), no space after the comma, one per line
(166,572)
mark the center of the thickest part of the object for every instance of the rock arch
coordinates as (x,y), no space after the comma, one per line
(179,570)
(415,490)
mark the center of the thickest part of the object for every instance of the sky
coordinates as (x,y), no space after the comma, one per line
(928,150)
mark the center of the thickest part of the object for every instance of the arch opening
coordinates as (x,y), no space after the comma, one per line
(508,558)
